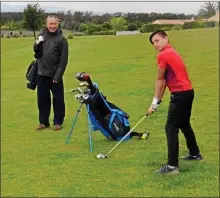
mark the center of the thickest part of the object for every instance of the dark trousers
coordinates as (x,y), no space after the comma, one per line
(179,118)
(44,86)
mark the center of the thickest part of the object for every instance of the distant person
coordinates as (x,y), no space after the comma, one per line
(172,73)
(51,52)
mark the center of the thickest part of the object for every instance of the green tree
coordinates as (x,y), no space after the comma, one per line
(82,27)
(33,17)
(132,27)
(106,26)
(208,9)
(118,23)
(11,25)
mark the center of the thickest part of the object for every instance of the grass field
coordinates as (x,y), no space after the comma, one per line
(40,164)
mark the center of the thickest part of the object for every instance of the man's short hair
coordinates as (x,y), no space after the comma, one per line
(160,32)
(53,16)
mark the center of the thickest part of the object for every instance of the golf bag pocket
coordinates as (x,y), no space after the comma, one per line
(118,125)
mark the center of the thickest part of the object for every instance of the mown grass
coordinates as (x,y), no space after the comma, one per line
(41,164)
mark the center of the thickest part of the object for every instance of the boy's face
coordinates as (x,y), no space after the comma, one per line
(159,41)
(52,24)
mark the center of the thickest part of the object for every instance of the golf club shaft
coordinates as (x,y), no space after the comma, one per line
(127,134)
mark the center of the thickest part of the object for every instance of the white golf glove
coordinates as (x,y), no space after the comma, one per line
(155,103)
(39,40)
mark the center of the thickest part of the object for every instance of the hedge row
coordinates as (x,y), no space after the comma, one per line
(187,25)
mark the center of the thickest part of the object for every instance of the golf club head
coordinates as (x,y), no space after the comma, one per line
(101,156)
(83,76)
(83,85)
(73,90)
(148,133)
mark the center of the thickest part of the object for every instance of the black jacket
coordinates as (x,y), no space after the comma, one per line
(52,54)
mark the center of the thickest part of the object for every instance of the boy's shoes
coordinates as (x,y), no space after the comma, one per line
(192,157)
(168,170)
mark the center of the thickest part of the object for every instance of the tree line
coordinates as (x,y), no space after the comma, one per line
(33,18)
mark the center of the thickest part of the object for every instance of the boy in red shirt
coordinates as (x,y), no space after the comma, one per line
(172,74)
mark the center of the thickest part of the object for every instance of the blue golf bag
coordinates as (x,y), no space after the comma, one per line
(105,116)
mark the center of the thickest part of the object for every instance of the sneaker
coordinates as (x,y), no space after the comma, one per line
(192,157)
(57,127)
(145,135)
(168,170)
(41,127)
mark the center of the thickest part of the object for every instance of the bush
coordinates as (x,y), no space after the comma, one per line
(4,27)
(132,27)
(93,28)
(197,24)
(177,27)
(109,32)
(106,26)
(154,27)
(70,36)
(83,27)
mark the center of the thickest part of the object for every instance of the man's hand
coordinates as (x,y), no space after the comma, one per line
(155,104)
(150,110)
(39,40)
(54,81)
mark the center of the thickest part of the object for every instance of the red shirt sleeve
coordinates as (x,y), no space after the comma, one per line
(161,61)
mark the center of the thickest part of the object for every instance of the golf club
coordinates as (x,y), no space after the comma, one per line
(101,156)
(83,85)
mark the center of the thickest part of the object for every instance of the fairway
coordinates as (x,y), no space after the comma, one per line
(40,164)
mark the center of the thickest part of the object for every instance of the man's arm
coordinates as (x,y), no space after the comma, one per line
(63,61)
(160,84)
(162,90)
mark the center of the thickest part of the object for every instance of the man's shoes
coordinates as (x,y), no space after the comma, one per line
(192,157)
(57,127)
(41,127)
(145,135)
(168,170)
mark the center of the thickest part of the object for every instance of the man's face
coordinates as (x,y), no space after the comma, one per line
(52,24)
(159,41)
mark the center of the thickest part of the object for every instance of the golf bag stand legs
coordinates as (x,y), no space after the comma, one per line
(90,132)
(74,122)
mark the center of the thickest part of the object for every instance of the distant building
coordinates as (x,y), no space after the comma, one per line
(215,17)
(173,21)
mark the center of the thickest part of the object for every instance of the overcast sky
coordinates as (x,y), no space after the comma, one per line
(159,7)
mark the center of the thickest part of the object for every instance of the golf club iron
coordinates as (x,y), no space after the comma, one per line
(101,156)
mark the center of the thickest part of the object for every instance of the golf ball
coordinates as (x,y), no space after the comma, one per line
(99,156)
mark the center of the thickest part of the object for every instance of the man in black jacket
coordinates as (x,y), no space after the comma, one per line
(51,52)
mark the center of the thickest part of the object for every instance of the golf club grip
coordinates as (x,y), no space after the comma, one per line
(91,86)
(126,135)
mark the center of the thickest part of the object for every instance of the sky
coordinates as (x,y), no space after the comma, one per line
(186,7)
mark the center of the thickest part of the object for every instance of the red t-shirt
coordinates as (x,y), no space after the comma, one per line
(176,75)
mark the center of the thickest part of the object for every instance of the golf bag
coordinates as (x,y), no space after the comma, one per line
(31,75)
(106,117)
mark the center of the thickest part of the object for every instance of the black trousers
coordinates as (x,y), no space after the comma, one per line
(179,114)
(44,86)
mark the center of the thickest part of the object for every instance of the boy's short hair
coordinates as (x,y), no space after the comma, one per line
(160,32)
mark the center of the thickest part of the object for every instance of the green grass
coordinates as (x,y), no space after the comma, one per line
(41,164)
